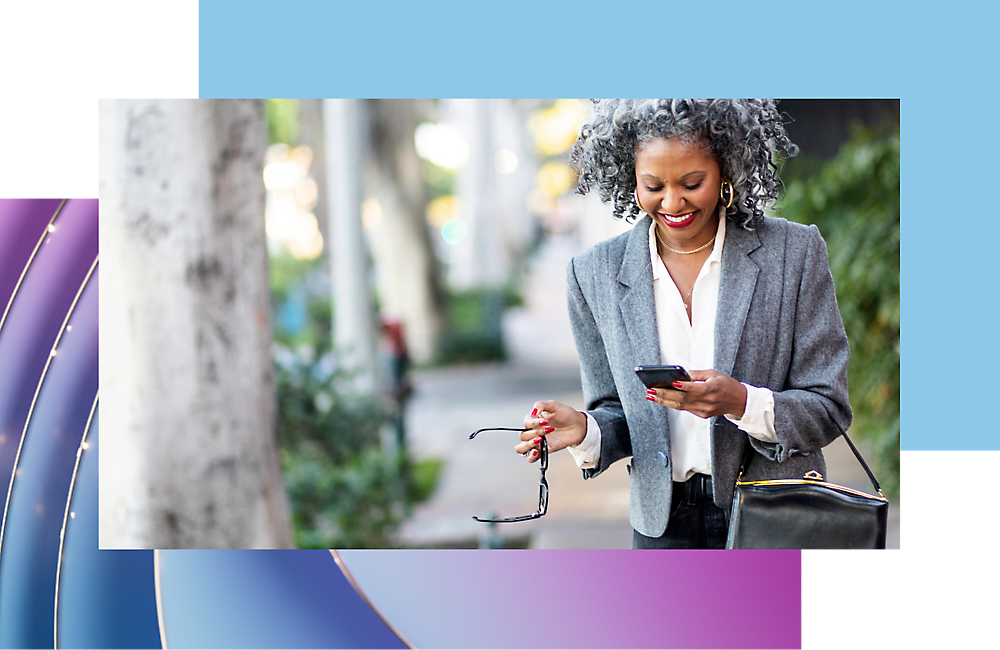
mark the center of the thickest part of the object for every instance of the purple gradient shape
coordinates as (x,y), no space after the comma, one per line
(264,599)
(586,599)
(22,222)
(41,487)
(35,317)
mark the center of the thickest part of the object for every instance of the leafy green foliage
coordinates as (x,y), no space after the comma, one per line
(345,490)
(289,275)
(317,413)
(282,117)
(425,477)
(854,200)
(437,180)
(355,505)
(474,332)
(285,270)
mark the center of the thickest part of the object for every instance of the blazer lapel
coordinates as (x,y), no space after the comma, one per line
(639,314)
(736,287)
(637,304)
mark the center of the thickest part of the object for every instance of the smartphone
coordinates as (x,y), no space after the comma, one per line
(661,376)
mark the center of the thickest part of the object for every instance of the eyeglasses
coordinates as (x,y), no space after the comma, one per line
(543,486)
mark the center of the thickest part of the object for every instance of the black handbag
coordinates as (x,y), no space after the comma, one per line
(806,513)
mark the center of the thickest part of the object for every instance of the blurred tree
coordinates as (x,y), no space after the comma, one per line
(188,455)
(407,270)
(484,258)
(313,136)
(854,200)
(354,322)
(345,490)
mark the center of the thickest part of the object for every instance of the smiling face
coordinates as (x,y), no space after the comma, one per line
(678,185)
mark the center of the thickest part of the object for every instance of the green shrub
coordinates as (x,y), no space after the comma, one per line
(358,504)
(318,414)
(424,478)
(282,117)
(854,200)
(345,490)
(474,330)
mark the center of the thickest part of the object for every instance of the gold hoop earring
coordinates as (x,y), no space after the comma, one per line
(635,193)
(722,194)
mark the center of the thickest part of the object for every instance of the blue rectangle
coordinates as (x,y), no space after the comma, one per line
(940,61)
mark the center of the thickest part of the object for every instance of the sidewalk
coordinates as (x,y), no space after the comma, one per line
(485,475)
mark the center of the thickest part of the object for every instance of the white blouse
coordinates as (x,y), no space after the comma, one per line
(690,344)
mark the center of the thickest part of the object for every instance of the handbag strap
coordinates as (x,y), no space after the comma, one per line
(857,454)
(861,460)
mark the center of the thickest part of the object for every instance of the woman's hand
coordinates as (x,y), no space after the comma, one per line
(560,425)
(710,393)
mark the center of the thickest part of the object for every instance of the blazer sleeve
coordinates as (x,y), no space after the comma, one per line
(599,390)
(812,409)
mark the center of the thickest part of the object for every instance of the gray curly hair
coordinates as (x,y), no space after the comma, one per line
(743,135)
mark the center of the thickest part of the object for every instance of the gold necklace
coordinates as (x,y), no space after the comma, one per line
(674,250)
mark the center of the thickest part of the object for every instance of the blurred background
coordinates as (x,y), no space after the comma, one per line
(314,302)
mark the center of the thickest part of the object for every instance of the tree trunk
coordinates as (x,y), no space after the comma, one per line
(408,276)
(482,259)
(189,455)
(311,134)
(354,323)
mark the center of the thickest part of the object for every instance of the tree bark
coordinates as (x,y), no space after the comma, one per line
(311,134)
(354,323)
(407,269)
(189,453)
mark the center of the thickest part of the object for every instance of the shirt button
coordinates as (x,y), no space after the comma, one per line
(663,458)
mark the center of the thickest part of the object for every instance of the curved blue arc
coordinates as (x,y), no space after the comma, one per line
(35,318)
(107,599)
(30,553)
(264,599)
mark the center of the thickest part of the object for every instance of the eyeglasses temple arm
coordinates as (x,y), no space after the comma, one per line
(475,433)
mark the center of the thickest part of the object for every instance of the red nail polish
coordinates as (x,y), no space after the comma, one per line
(534,452)
(536,440)
(543,422)
(534,412)
(549,429)
(651,391)
(650,398)
(677,384)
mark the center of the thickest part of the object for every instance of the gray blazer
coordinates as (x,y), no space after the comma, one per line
(777,326)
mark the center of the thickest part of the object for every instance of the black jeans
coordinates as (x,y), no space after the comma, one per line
(695,521)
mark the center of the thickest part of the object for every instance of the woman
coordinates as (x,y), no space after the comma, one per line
(704,280)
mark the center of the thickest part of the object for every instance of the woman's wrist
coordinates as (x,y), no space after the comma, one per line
(582,428)
(739,407)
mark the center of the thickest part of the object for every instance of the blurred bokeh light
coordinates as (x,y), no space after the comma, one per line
(291,198)
(441,144)
(505,161)
(555,128)
(371,214)
(555,178)
(441,209)
(454,231)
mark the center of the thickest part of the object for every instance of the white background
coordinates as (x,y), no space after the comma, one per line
(938,591)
